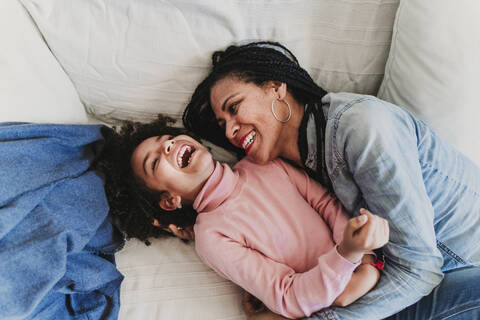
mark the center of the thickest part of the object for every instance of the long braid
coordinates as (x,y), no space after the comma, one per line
(256,62)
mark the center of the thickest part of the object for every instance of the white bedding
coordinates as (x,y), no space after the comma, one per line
(131,59)
(168,281)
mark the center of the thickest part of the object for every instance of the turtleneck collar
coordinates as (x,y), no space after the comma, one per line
(217,189)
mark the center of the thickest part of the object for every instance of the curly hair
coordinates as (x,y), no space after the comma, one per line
(258,63)
(133,207)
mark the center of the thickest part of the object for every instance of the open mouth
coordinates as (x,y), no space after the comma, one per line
(247,141)
(185,156)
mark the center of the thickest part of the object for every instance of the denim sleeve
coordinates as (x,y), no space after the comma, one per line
(375,148)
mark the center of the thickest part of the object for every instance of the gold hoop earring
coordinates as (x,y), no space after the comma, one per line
(289,111)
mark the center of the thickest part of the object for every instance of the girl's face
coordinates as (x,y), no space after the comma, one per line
(244,111)
(179,165)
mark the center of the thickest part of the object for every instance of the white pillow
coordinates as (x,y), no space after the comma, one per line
(132,59)
(433,68)
(33,86)
(167,280)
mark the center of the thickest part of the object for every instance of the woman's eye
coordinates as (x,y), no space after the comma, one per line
(154,163)
(233,108)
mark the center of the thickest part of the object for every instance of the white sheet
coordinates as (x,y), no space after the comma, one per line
(168,281)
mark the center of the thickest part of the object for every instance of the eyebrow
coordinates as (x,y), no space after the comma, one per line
(226,100)
(147,156)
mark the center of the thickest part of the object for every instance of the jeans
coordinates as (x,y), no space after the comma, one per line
(456,298)
(381,157)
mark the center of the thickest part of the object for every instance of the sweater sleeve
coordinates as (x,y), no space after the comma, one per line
(280,288)
(325,203)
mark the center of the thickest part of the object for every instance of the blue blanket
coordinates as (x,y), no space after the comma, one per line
(57,244)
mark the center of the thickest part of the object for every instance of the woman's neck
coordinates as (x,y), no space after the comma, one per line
(290,149)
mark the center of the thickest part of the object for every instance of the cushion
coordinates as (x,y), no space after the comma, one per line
(34,87)
(132,59)
(167,280)
(433,68)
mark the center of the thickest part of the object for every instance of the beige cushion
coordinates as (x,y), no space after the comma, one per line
(433,68)
(33,86)
(132,59)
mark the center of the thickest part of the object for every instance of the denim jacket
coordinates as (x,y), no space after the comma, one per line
(381,157)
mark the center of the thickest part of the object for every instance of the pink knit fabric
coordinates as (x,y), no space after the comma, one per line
(273,231)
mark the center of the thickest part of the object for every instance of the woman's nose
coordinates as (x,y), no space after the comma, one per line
(231,130)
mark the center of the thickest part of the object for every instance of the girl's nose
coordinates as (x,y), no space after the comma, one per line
(167,145)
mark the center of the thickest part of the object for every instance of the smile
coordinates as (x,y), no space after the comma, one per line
(247,140)
(184,155)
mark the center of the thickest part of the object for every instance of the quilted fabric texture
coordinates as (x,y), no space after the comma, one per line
(134,58)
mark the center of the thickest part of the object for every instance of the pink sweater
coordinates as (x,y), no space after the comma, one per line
(273,231)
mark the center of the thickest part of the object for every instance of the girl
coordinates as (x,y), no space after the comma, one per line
(269,228)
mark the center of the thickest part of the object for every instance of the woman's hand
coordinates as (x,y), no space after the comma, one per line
(363,233)
(251,305)
(256,310)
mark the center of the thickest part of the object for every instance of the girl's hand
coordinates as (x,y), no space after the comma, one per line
(182,233)
(363,233)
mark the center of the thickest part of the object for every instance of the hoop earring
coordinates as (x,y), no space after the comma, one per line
(289,111)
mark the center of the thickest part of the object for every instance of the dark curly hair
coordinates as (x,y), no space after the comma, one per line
(256,62)
(132,206)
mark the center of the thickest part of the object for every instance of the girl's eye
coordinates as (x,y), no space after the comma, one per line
(154,163)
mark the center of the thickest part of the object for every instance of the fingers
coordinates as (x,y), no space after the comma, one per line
(247,306)
(375,233)
(356,223)
(251,304)
(184,233)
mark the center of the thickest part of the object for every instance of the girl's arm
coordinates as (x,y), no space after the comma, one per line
(364,278)
(277,285)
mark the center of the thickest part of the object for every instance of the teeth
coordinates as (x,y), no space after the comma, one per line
(248,140)
(180,155)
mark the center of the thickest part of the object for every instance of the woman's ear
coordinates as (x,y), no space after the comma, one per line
(280,88)
(170,202)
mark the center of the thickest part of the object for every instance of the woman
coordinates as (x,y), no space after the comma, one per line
(257,100)
(251,218)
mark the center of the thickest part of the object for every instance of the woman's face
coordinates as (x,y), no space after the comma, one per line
(180,165)
(244,111)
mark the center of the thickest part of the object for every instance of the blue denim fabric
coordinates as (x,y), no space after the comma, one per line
(57,244)
(381,157)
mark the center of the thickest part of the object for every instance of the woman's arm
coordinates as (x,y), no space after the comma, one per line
(364,278)
(377,164)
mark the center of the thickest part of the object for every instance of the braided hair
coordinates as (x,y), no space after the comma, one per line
(256,62)
(133,207)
